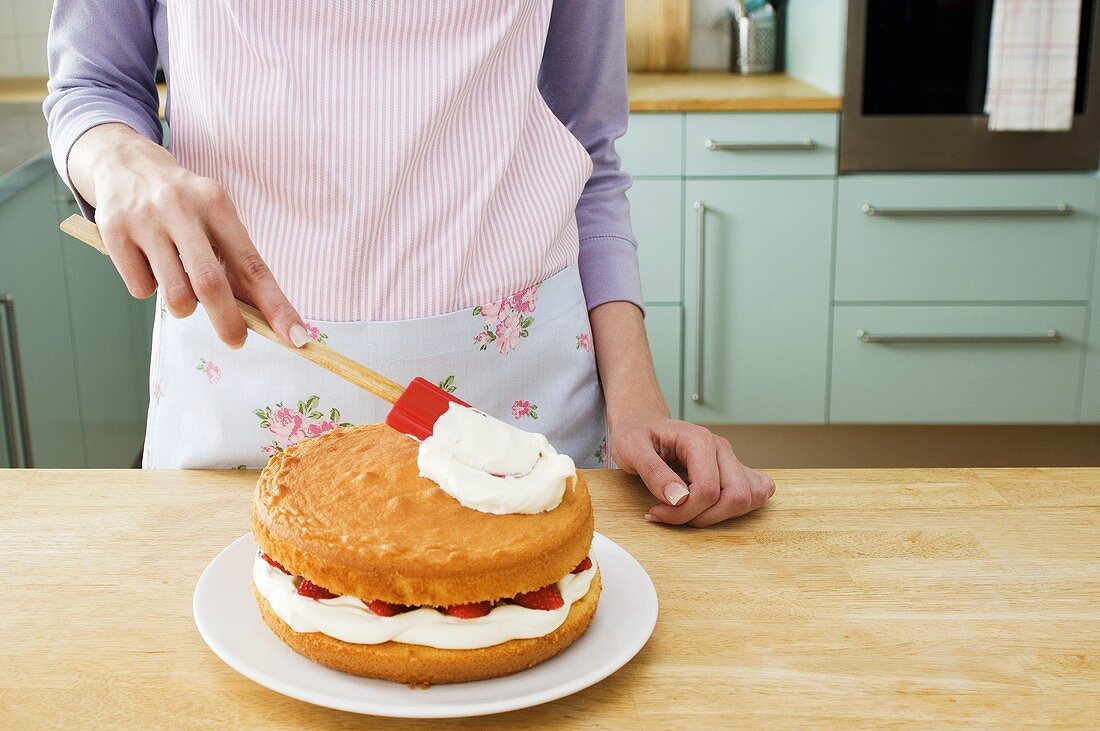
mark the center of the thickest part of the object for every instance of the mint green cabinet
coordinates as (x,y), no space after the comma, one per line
(985,238)
(760,144)
(656,210)
(664,325)
(956,364)
(1090,397)
(84,341)
(761,292)
(112,339)
(32,273)
(653,145)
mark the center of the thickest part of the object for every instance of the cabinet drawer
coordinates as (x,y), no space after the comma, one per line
(761,144)
(656,214)
(664,326)
(963,364)
(965,237)
(653,145)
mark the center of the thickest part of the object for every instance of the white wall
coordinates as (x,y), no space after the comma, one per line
(815,40)
(23,27)
(816,32)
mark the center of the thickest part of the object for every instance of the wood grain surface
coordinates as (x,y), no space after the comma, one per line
(658,35)
(922,598)
(685,91)
(719,91)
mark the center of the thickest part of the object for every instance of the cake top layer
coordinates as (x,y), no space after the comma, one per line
(349,511)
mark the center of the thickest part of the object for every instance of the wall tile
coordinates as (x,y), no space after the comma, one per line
(32,17)
(710,48)
(9,61)
(31,50)
(7,18)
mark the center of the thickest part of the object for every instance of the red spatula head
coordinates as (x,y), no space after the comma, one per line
(415,412)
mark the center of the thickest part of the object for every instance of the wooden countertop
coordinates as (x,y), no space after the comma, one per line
(718,91)
(901,597)
(690,91)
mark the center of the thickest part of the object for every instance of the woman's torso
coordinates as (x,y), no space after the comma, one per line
(391,160)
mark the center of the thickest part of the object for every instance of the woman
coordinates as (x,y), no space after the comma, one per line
(430,187)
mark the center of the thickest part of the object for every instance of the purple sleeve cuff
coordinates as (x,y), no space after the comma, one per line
(102,56)
(80,110)
(609,271)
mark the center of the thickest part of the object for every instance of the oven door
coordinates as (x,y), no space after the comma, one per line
(914,89)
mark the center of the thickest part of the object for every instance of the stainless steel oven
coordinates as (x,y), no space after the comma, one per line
(914,90)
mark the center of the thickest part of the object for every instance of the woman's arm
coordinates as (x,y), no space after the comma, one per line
(693,473)
(163,226)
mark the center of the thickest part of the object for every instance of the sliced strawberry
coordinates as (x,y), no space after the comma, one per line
(583,566)
(311,590)
(472,610)
(548,597)
(274,563)
(385,609)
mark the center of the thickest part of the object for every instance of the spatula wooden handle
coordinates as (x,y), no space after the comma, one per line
(324,356)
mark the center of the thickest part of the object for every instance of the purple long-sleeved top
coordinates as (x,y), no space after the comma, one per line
(103,56)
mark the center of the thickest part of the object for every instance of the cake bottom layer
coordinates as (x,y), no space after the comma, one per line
(422,665)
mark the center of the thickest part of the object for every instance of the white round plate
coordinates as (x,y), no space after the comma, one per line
(229,621)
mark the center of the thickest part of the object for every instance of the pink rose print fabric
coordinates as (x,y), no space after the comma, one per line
(525,409)
(601,453)
(505,321)
(315,333)
(584,342)
(290,425)
(209,369)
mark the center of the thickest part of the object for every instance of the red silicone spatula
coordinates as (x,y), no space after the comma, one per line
(415,407)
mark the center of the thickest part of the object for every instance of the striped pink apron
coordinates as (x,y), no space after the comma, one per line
(398,169)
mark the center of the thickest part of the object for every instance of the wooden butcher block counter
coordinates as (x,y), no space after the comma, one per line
(908,597)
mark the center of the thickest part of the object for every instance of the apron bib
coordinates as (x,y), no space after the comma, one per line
(399,171)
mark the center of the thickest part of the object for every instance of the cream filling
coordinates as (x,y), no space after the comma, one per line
(493,467)
(348,618)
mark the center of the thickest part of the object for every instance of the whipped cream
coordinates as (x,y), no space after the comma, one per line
(493,467)
(348,618)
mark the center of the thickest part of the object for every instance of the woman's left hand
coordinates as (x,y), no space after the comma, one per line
(692,472)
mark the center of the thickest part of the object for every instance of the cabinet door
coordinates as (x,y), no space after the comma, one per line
(760,356)
(32,274)
(1090,399)
(655,213)
(664,325)
(111,341)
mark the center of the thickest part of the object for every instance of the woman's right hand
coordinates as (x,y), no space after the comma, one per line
(169,229)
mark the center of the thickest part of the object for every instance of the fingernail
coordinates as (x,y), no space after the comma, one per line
(298,335)
(653,518)
(676,494)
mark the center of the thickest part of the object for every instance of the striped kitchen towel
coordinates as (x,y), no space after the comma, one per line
(1032,64)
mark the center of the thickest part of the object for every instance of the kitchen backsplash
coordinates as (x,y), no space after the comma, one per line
(815,33)
(23,26)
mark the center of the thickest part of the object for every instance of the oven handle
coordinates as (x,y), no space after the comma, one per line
(1062,209)
(806,145)
(7,303)
(1049,337)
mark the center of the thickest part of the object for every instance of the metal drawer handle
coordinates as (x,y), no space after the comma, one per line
(700,302)
(20,394)
(806,145)
(1049,337)
(1062,209)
